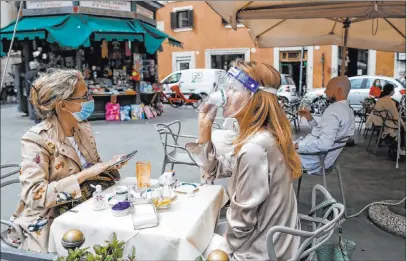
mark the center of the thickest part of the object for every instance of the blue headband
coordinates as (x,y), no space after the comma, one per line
(247,81)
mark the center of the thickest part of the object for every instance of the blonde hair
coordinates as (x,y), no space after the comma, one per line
(51,88)
(263,112)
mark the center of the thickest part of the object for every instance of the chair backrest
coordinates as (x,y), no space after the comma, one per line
(169,133)
(323,226)
(340,143)
(13,172)
(4,183)
(385,116)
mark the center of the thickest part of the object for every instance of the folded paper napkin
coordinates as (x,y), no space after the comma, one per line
(144,216)
(168,176)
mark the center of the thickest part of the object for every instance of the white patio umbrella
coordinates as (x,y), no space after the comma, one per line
(378,25)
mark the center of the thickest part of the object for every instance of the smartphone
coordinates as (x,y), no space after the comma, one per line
(124,159)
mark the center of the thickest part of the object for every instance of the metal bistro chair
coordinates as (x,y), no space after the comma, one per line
(291,110)
(322,219)
(174,153)
(384,115)
(363,115)
(9,250)
(335,166)
(323,226)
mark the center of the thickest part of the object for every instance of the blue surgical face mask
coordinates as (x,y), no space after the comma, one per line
(87,109)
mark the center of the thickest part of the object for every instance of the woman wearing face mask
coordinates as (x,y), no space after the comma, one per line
(386,103)
(375,90)
(59,156)
(262,165)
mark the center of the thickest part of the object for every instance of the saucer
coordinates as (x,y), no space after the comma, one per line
(186,188)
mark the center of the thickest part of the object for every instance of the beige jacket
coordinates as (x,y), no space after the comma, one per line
(261,195)
(385,103)
(47,182)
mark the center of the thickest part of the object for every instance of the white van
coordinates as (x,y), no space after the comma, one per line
(200,81)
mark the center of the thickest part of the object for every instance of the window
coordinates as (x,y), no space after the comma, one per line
(401,56)
(356,61)
(292,55)
(182,19)
(370,82)
(173,78)
(356,83)
(224,61)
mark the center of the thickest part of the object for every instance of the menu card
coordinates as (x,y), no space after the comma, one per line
(144,216)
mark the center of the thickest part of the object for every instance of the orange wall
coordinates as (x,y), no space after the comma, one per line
(317,75)
(208,33)
(385,63)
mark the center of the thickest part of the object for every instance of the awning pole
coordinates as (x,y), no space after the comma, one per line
(301,65)
(3,75)
(346,25)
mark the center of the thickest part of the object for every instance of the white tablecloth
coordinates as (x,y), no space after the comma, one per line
(184,232)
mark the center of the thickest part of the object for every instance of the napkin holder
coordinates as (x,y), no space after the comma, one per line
(144,216)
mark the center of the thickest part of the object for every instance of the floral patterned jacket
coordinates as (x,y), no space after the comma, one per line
(47,179)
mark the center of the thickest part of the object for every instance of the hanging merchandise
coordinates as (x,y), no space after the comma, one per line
(135,75)
(105,50)
(117,54)
(127,50)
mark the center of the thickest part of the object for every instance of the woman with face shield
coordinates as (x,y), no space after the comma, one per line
(60,163)
(262,165)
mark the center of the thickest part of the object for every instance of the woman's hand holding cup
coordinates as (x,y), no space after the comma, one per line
(207,116)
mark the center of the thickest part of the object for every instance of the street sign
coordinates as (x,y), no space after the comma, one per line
(47,4)
(109,5)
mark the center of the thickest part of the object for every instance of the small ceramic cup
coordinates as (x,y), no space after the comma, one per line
(121,193)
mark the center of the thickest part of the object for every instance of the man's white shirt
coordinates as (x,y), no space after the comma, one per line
(338,121)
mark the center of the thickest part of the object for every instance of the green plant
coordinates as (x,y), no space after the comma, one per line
(112,251)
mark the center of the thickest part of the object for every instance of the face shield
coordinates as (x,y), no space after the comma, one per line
(231,94)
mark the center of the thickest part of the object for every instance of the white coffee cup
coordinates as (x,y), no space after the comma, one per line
(121,193)
(218,98)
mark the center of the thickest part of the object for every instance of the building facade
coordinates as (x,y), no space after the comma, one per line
(209,42)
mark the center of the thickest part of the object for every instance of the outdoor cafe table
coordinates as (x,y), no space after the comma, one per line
(184,231)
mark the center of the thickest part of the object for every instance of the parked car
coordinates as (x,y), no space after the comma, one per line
(199,81)
(360,87)
(287,91)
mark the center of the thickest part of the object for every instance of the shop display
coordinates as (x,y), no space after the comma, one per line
(135,112)
(112,111)
(125,113)
(115,74)
(148,112)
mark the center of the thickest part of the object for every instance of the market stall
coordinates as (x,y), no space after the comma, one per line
(115,52)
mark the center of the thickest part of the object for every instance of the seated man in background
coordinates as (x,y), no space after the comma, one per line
(338,121)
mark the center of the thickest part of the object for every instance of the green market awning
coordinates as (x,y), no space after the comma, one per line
(31,27)
(153,38)
(75,30)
